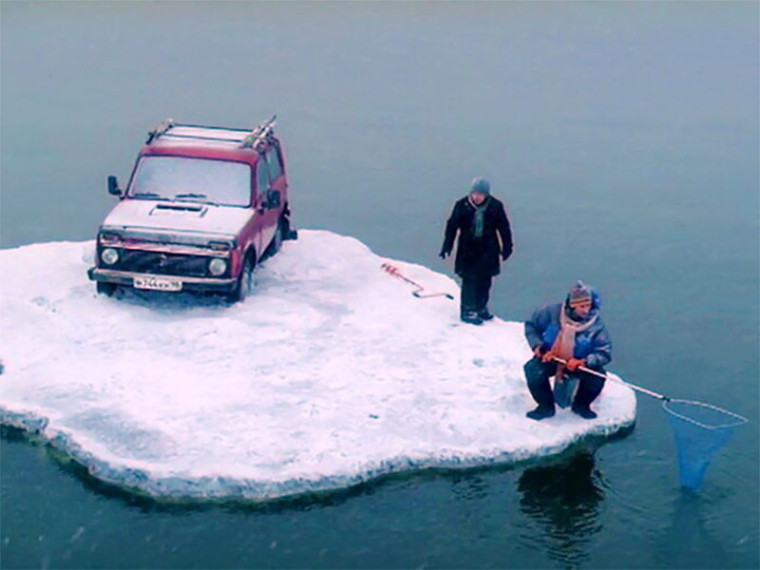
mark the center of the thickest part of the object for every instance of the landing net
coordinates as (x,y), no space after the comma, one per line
(699,431)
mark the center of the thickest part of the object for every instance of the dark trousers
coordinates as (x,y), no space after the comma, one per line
(537,373)
(475,292)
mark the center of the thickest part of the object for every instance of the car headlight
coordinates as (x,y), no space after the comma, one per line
(217,266)
(109,256)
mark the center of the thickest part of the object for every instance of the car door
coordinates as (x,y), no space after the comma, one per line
(277,180)
(267,214)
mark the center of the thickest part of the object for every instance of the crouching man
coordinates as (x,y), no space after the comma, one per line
(574,332)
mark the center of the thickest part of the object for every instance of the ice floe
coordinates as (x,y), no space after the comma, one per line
(331,374)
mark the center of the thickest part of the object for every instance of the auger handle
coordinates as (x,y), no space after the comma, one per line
(396,272)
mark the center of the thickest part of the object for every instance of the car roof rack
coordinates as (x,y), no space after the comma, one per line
(243,138)
(161,129)
(260,134)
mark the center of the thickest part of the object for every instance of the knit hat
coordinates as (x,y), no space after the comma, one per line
(579,292)
(481,185)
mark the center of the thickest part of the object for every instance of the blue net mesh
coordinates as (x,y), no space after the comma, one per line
(699,431)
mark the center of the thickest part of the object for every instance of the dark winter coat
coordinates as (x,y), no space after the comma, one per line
(593,344)
(478,257)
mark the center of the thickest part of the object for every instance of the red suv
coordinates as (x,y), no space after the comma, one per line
(203,206)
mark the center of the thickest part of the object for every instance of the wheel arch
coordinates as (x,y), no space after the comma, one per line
(251,254)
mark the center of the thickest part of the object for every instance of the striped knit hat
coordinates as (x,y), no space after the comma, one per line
(579,292)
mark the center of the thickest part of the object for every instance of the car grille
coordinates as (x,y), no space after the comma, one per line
(162,263)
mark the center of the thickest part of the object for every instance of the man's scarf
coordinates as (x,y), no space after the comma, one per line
(478,217)
(565,344)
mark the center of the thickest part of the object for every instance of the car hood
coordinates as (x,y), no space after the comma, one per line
(178,216)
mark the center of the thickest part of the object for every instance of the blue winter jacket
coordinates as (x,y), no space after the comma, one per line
(593,344)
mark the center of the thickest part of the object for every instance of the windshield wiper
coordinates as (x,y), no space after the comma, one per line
(152,195)
(190,195)
(194,196)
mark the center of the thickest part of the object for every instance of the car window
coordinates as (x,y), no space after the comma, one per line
(262,176)
(274,162)
(178,178)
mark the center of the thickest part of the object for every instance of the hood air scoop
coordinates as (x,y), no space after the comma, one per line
(159,208)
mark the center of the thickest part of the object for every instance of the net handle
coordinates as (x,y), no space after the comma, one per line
(614,379)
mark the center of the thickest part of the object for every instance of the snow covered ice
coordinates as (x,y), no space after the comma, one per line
(330,374)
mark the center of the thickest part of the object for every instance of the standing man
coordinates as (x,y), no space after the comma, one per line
(484,236)
(574,332)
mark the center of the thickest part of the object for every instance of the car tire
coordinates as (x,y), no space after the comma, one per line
(107,289)
(245,283)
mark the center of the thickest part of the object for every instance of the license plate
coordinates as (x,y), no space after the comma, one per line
(158,284)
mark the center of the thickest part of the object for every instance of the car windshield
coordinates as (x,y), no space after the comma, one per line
(178,178)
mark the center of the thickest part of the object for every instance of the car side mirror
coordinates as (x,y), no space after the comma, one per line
(273,199)
(113,186)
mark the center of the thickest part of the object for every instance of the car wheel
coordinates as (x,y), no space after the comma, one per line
(245,283)
(107,289)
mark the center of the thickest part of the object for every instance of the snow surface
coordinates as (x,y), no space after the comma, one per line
(330,374)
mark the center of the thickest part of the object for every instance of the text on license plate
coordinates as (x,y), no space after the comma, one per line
(158,284)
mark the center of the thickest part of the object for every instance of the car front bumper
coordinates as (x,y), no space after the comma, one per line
(127,278)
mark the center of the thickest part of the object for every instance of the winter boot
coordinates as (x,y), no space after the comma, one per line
(540,413)
(485,314)
(584,411)
(472,318)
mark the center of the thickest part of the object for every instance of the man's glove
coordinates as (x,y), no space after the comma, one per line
(444,254)
(506,253)
(547,356)
(574,363)
(538,352)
